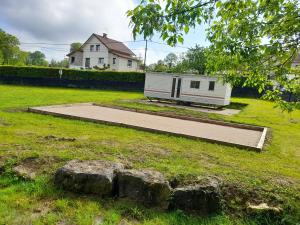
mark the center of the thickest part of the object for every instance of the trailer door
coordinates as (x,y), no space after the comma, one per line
(176,88)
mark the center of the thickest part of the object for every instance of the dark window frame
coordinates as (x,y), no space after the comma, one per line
(114,60)
(195,84)
(211,86)
(97,48)
(72,59)
(101,60)
(129,63)
(91,48)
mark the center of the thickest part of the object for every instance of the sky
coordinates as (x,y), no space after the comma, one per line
(58,23)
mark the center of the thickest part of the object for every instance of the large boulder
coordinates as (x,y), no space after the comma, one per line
(145,186)
(91,177)
(202,198)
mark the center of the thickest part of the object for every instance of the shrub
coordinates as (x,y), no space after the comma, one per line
(70,74)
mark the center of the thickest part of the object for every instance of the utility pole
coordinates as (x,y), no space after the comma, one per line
(146,48)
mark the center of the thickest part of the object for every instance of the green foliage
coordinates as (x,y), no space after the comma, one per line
(75,46)
(9,47)
(63,63)
(171,60)
(37,58)
(11,54)
(195,58)
(256,39)
(194,61)
(69,74)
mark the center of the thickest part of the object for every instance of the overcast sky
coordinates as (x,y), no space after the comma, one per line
(67,21)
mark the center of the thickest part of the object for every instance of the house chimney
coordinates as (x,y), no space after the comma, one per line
(105,35)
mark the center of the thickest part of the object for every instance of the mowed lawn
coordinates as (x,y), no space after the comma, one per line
(272,175)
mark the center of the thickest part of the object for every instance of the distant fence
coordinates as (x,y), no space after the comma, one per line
(47,76)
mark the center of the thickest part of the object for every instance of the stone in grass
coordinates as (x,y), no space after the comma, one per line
(262,208)
(202,198)
(145,186)
(90,177)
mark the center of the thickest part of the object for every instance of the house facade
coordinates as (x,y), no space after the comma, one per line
(102,52)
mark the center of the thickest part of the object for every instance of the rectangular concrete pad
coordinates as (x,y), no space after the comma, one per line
(226,134)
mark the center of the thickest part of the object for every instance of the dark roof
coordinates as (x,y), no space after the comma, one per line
(72,52)
(124,55)
(115,46)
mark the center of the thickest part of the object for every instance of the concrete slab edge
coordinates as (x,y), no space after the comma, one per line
(262,139)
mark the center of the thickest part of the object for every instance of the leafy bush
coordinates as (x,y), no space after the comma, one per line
(70,74)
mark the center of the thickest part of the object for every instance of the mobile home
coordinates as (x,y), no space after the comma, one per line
(188,88)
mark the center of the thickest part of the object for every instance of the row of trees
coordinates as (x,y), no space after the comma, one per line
(194,60)
(11,54)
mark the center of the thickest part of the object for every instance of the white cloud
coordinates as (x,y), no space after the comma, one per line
(65,21)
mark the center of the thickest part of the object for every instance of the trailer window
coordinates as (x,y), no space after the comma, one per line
(211,86)
(195,84)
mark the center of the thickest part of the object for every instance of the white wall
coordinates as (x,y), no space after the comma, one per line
(159,85)
(78,60)
(95,55)
(121,63)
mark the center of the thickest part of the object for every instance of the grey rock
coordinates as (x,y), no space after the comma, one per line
(262,208)
(91,177)
(145,186)
(203,198)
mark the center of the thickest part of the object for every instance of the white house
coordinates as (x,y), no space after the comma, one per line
(103,52)
(188,88)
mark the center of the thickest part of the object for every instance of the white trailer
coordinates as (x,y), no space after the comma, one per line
(188,88)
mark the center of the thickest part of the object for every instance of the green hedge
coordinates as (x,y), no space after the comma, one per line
(70,74)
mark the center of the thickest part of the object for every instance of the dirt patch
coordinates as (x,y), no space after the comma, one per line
(4,123)
(55,138)
(15,110)
(42,210)
(237,198)
(98,220)
(31,167)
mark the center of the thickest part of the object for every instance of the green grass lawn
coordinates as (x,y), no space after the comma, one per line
(272,176)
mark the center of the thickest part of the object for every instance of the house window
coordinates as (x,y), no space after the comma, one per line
(97,48)
(195,84)
(91,48)
(129,63)
(72,59)
(101,61)
(114,60)
(211,86)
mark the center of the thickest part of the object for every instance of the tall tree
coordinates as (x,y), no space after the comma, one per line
(75,46)
(171,60)
(196,59)
(9,47)
(37,58)
(253,39)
